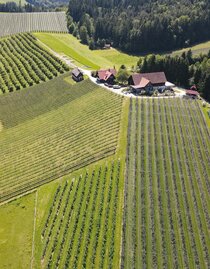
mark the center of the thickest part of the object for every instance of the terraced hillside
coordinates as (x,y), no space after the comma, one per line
(82,225)
(24,63)
(14,23)
(167,188)
(39,144)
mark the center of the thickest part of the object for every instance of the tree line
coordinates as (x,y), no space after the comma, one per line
(140,25)
(34,6)
(14,7)
(185,70)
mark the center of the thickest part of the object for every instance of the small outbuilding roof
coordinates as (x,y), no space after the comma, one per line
(191,92)
(76,72)
(169,84)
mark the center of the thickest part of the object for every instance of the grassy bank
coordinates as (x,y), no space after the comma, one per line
(82,55)
(16,230)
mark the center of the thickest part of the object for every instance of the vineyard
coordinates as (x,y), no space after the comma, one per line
(81,227)
(37,148)
(22,106)
(167,187)
(24,63)
(14,23)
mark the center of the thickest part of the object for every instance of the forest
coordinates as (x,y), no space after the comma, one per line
(14,7)
(184,70)
(140,26)
(34,6)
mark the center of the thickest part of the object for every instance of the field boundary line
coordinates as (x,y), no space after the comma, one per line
(17,197)
(34,229)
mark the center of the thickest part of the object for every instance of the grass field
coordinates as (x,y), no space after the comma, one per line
(16,233)
(167,200)
(130,177)
(67,44)
(80,126)
(24,63)
(196,50)
(84,57)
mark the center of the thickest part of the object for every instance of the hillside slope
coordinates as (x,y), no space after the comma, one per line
(40,144)
(141,26)
(14,23)
(167,186)
(23,63)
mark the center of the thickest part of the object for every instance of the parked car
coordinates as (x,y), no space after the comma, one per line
(116,87)
(108,85)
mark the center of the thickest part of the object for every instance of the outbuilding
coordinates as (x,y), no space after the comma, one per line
(192,93)
(77,75)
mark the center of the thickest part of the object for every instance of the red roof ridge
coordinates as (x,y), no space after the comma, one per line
(104,74)
(153,77)
(192,92)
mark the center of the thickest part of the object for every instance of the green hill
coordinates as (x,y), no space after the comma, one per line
(24,63)
(167,205)
(114,182)
(46,136)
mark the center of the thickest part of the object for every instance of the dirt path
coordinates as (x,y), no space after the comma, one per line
(33,239)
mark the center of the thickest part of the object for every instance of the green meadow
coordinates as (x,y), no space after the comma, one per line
(84,57)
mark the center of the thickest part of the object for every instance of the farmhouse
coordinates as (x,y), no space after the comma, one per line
(106,75)
(77,75)
(144,86)
(192,93)
(147,82)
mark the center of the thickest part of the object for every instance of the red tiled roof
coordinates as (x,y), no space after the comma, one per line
(104,74)
(108,75)
(154,78)
(143,83)
(191,92)
(101,74)
(113,71)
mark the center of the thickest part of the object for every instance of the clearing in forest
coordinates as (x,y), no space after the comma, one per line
(93,59)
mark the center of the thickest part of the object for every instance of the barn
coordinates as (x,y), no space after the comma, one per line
(147,82)
(77,75)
